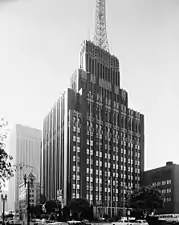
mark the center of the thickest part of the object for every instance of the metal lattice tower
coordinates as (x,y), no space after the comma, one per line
(100,35)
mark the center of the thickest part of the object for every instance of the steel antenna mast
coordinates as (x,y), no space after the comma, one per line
(100,34)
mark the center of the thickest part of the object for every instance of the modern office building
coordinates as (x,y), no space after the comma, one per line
(25,147)
(93,143)
(165,179)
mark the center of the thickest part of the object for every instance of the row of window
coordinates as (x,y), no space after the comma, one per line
(115,157)
(98,135)
(168,199)
(115,182)
(99,172)
(115,166)
(76,169)
(123,184)
(164,191)
(108,137)
(108,165)
(107,198)
(160,183)
(115,149)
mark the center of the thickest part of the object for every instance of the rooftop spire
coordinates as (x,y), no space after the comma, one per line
(100,34)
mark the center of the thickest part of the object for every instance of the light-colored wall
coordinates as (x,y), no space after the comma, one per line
(11,182)
(25,147)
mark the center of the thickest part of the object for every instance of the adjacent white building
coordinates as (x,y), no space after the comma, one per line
(25,147)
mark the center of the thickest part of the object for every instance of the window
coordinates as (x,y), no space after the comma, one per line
(168,190)
(74,168)
(169,181)
(168,199)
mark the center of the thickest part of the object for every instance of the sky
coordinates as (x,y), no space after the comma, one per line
(39,50)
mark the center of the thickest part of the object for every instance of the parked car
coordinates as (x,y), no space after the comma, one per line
(143,222)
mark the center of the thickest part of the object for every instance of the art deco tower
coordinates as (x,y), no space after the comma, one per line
(91,137)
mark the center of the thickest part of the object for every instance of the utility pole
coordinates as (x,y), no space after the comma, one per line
(28,180)
(28,203)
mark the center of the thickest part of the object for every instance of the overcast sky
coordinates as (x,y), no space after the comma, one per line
(39,50)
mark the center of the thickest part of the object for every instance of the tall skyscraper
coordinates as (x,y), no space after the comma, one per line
(25,147)
(93,143)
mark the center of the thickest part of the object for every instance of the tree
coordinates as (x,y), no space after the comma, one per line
(80,208)
(6,169)
(146,200)
(50,206)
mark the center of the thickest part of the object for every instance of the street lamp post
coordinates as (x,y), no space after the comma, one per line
(28,180)
(3,198)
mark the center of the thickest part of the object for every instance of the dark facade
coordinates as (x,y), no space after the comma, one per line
(165,179)
(93,143)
